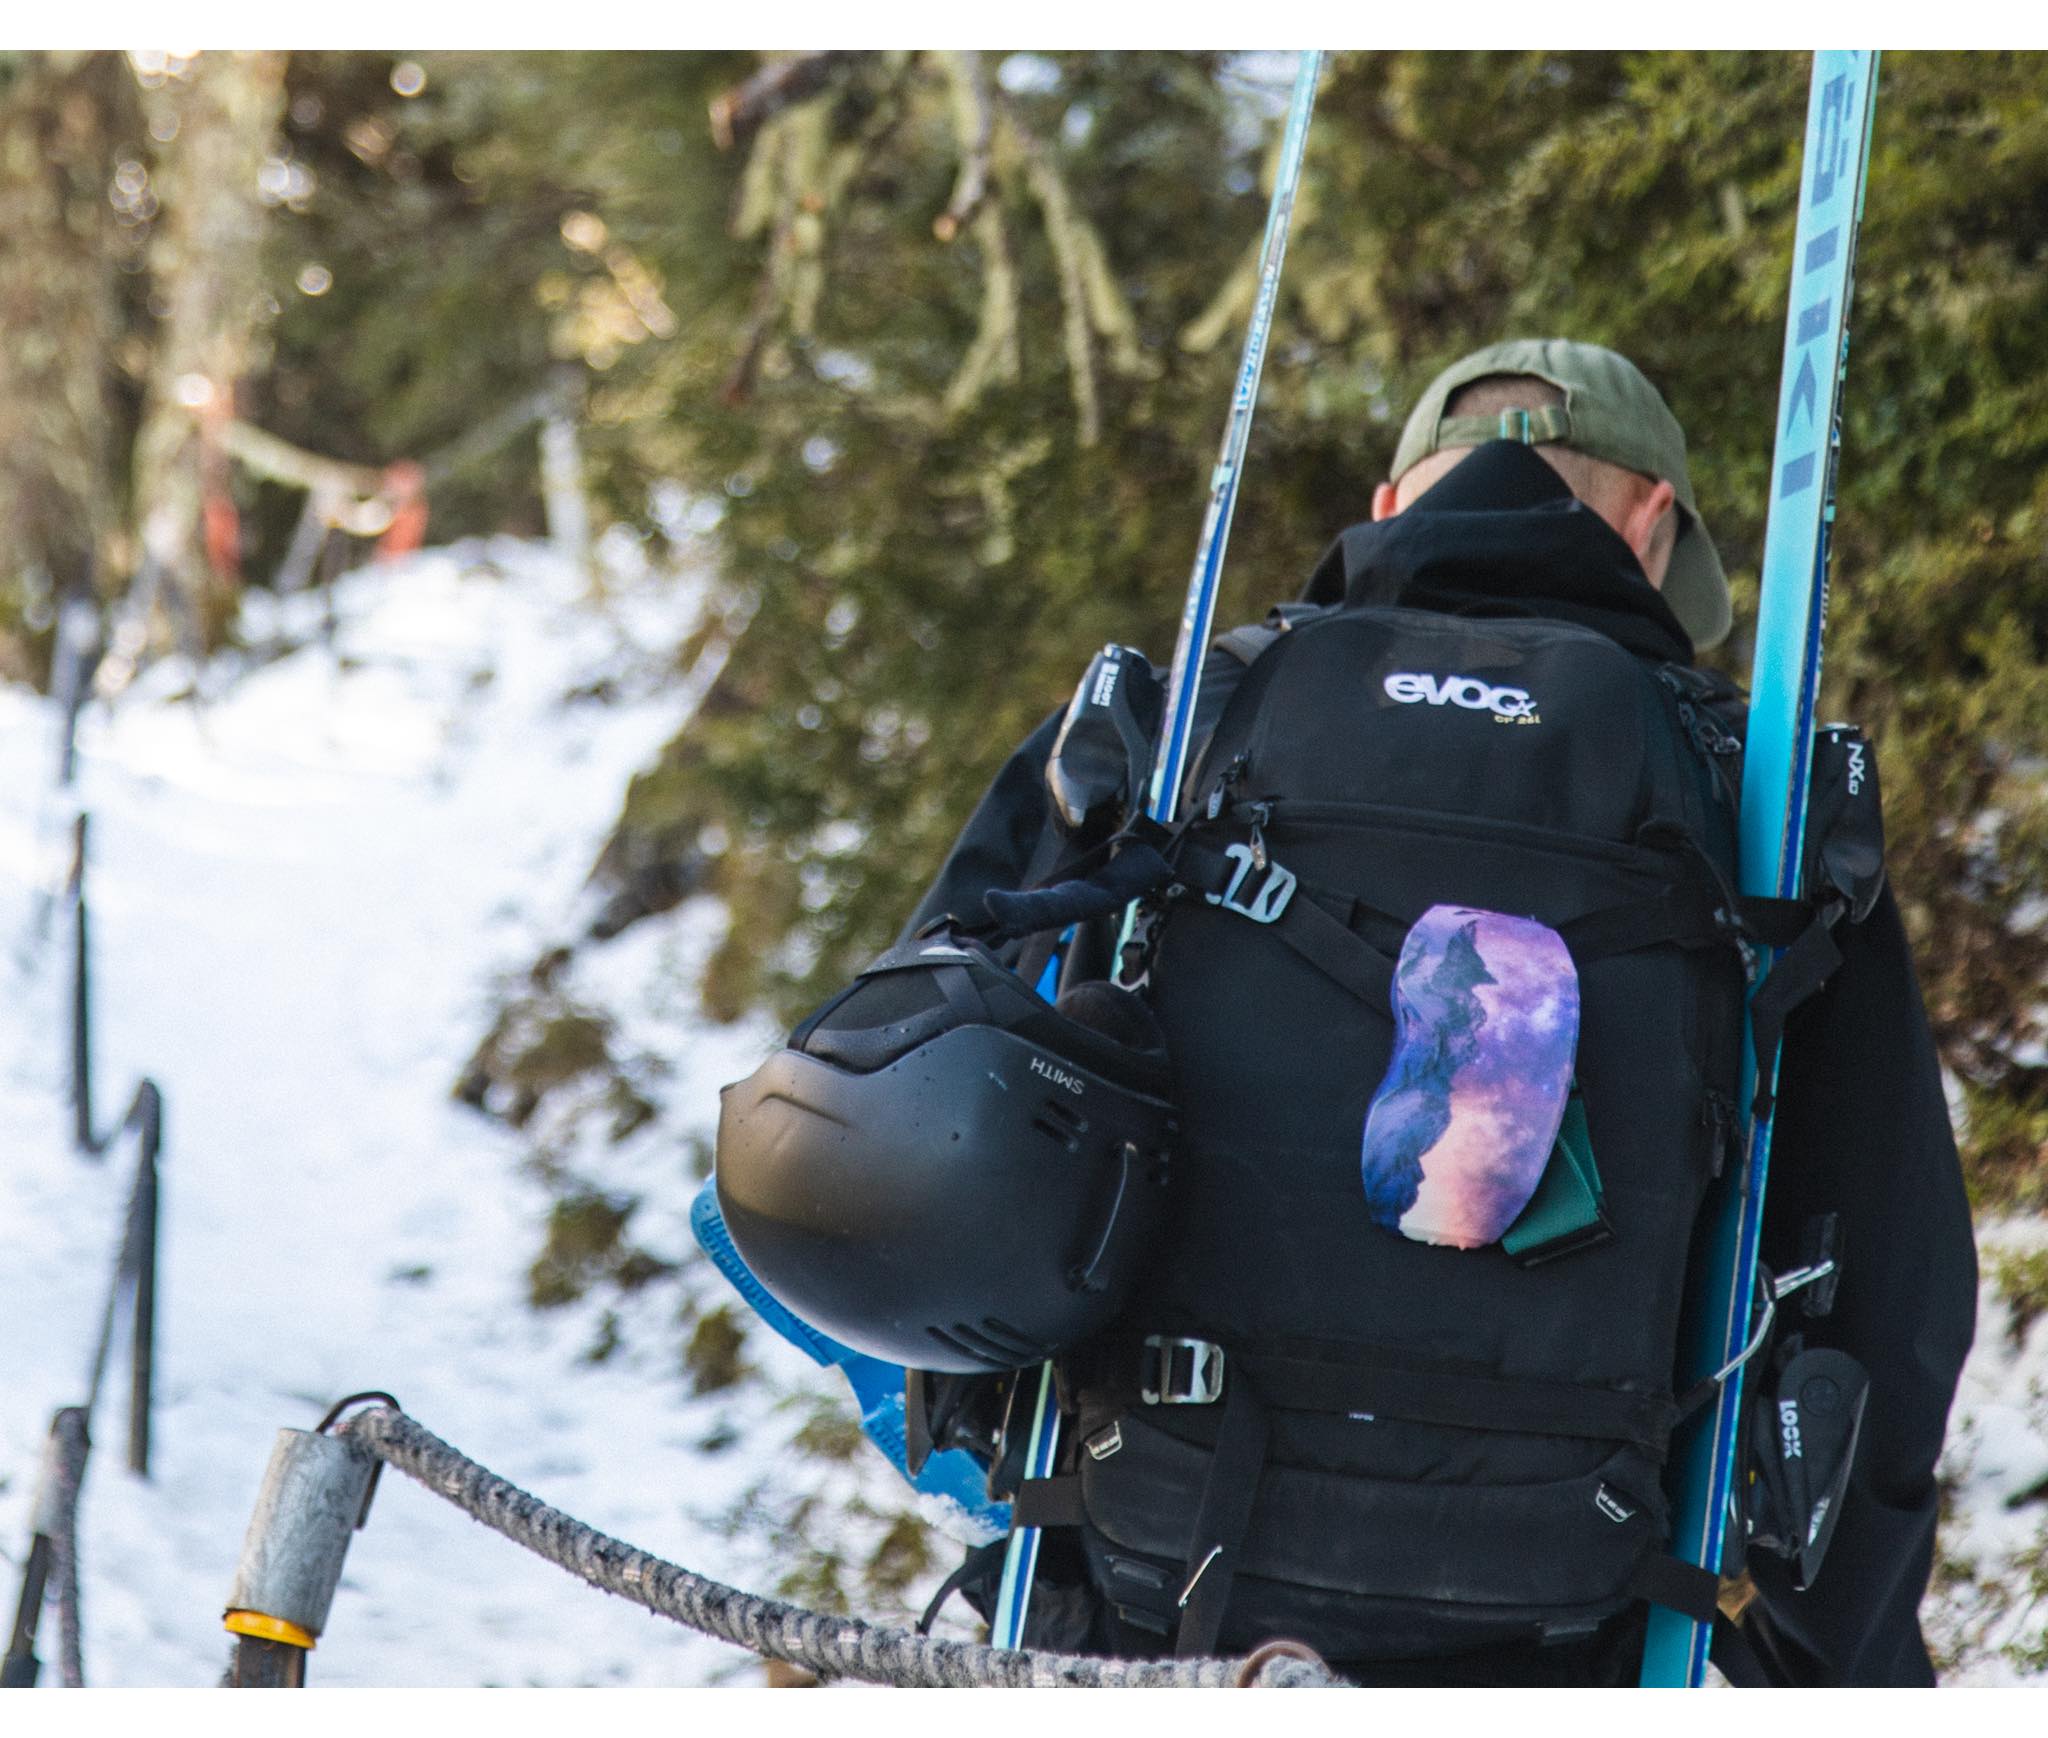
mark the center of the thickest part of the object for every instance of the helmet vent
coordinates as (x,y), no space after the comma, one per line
(1060,1121)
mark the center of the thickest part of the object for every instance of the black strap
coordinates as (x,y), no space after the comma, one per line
(983,1563)
(1780,922)
(1321,926)
(963,995)
(1325,941)
(1462,1401)
(1135,870)
(1049,1502)
(1800,970)
(1246,643)
(1222,1519)
(1681,1586)
(1337,951)
(1690,913)
(917,1421)
(1740,1661)
(1698,1395)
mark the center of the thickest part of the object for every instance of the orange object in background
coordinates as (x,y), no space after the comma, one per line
(405,484)
(220,524)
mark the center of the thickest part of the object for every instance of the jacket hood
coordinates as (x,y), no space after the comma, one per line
(1501,535)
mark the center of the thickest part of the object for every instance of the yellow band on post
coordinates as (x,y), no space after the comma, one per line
(268,1629)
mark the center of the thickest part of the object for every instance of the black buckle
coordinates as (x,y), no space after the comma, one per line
(1175,1371)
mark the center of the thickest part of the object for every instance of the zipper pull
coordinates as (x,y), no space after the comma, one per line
(1720,740)
(1261,814)
(1717,1113)
(1233,776)
(1705,731)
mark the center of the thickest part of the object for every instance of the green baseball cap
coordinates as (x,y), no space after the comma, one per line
(1610,412)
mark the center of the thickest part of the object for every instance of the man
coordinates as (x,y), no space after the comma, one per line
(1547,479)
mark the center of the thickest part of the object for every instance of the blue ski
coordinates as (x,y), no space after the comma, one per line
(1723,1321)
(1197,614)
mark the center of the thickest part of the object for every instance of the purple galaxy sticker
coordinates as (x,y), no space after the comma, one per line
(1486,1022)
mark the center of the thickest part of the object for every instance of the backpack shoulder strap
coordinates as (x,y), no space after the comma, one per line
(1246,643)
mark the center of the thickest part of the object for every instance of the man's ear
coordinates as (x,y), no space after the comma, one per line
(1639,524)
(1383,502)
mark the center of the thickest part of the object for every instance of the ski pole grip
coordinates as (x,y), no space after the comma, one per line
(313,1498)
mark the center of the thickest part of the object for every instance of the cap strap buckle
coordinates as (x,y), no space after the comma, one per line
(1532,428)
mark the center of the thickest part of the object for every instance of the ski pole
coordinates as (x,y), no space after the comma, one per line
(1183,685)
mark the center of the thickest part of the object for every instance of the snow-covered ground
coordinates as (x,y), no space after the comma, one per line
(304,894)
(308,893)
(1989,1606)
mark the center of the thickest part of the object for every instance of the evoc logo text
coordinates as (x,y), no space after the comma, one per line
(1509,705)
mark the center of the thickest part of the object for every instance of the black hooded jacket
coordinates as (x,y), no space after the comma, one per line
(1862,1122)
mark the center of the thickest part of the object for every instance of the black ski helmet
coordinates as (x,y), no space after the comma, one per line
(945,1171)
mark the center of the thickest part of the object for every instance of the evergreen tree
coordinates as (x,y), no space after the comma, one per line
(943,341)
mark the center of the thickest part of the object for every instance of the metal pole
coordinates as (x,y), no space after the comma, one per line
(1199,611)
(315,1494)
(148,1118)
(81,997)
(53,1551)
(20,1669)
(77,656)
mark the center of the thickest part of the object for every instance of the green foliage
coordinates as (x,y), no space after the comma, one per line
(930,584)
(585,1244)
(2021,1279)
(943,472)
(542,1042)
(903,1553)
(712,1356)
(831,1433)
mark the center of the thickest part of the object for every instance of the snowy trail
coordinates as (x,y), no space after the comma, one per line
(301,896)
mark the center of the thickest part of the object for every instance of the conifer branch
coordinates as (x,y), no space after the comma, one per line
(1107,306)
(974,123)
(1230,303)
(769,294)
(1061,226)
(1430,154)
(782,84)
(994,354)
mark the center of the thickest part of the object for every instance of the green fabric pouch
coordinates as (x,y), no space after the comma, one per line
(1568,1212)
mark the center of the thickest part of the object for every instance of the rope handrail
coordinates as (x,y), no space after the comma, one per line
(840,1647)
(336,481)
(389,502)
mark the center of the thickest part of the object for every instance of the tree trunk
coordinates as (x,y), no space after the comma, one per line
(60,317)
(206,269)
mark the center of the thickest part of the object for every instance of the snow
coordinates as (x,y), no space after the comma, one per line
(306,892)
(316,869)
(1985,1612)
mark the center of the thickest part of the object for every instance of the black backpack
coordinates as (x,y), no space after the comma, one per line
(1307,1425)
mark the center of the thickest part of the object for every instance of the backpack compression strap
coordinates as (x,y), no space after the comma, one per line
(1355,944)
(1254,1386)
